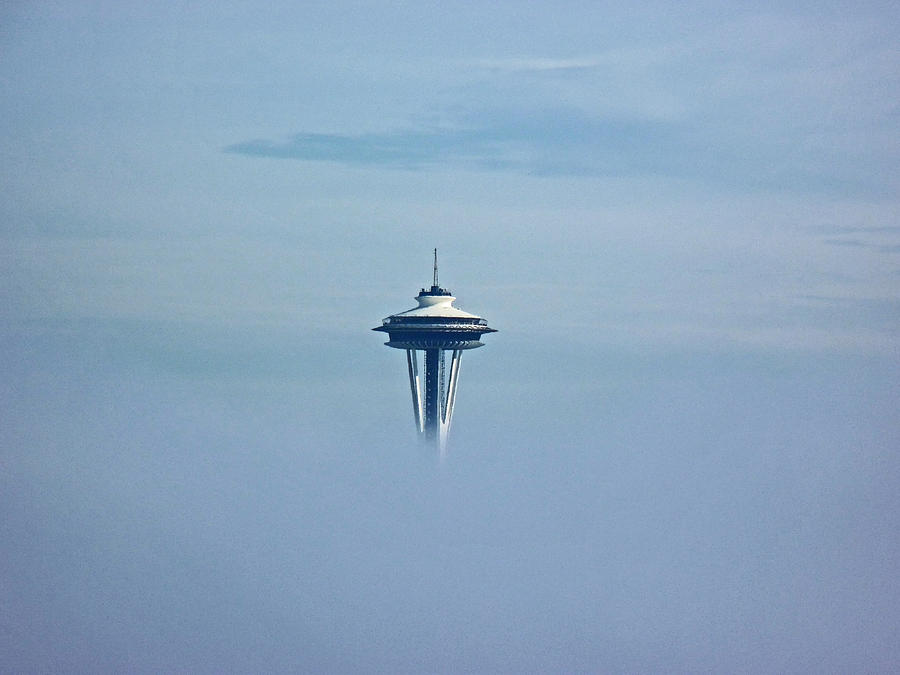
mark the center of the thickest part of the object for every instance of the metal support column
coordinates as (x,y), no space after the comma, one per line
(448,404)
(432,390)
(415,387)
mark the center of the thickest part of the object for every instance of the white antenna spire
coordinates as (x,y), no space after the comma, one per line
(435,268)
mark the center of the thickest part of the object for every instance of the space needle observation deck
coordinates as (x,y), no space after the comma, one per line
(434,327)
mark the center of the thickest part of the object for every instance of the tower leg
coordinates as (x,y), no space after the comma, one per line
(450,399)
(415,387)
(451,386)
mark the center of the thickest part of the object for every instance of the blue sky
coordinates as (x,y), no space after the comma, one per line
(679,453)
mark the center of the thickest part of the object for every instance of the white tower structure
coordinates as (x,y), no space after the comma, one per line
(434,327)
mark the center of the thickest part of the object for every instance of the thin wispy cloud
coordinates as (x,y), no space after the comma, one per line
(569,142)
(553,142)
(854,229)
(755,102)
(881,238)
(537,64)
(845,242)
(402,149)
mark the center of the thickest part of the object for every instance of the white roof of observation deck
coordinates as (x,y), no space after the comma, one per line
(438,306)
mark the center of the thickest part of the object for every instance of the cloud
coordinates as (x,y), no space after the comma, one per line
(541,64)
(757,101)
(874,318)
(551,142)
(569,142)
(845,242)
(404,149)
(855,229)
(881,238)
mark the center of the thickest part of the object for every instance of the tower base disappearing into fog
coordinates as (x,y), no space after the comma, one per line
(435,327)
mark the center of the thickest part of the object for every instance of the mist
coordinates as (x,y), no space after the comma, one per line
(680,514)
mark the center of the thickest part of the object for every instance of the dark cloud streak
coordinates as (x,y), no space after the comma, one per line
(550,143)
(566,142)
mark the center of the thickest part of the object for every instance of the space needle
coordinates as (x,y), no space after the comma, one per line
(434,327)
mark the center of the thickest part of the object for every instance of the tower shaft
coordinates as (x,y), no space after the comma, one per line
(433,386)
